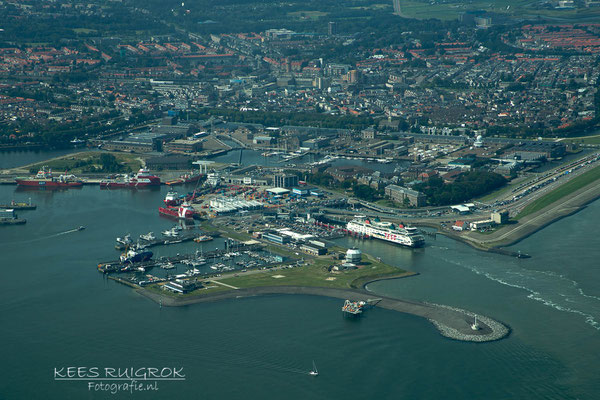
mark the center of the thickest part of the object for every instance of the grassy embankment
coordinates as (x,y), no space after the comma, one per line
(562,191)
(595,139)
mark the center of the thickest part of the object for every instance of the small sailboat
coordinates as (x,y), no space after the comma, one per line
(314,371)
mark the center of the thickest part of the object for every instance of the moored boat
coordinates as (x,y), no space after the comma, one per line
(143,178)
(45,179)
(133,256)
(406,236)
(184,211)
(203,238)
(148,237)
(172,199)
(191,177)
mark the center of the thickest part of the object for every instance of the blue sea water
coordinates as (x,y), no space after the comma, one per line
(56,310)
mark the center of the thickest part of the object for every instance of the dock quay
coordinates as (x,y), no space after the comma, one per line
(158,242)
(356,308)
(19,206)
(12,221)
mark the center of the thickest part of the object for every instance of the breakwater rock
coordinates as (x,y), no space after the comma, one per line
(489,329)
(452,322)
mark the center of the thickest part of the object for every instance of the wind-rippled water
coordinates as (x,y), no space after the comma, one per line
(57,310)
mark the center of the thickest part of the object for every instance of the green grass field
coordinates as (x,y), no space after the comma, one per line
(84,30)
(313,15)
(316,275)
(451,10)
(72,161)
(562,191)
(584,140)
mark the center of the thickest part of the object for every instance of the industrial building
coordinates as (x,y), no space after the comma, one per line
(275,237)
(285,181)
(225,205)
(401,194)
(184,146)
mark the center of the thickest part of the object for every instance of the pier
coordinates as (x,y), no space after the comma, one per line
(143,244)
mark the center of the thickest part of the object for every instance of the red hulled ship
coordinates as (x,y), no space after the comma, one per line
(142,179)
(184,211)
(44,179)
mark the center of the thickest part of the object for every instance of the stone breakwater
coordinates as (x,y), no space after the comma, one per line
(498,330)
(451,322)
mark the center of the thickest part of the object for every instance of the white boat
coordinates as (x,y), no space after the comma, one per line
(173,232)
(195,263)
(126,240)
(314,371)
(168,265)
(192,272)
(148,237)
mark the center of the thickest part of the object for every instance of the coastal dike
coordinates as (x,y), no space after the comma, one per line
(453,323)
(530,224)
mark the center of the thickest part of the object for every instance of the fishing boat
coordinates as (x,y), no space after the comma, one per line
(314,371)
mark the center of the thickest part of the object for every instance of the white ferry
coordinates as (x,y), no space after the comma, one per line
(404,236)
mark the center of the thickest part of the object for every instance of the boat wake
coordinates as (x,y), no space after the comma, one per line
(549,288)
(42,237)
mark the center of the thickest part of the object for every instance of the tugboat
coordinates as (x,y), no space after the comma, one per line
(44,179)
(142,179)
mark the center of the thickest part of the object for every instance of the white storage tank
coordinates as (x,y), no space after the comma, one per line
(353,256)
